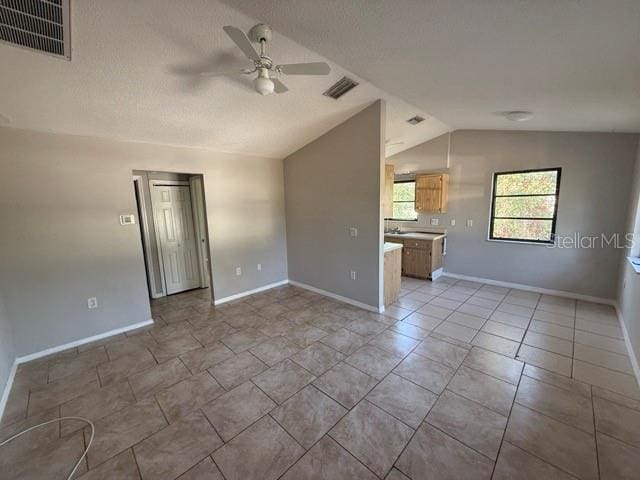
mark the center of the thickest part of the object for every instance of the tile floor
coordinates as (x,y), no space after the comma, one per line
(458,380)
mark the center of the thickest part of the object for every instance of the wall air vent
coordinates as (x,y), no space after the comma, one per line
(415,120)
(341,87)
(41,25)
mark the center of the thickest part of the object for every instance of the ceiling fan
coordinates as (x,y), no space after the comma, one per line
(266,83)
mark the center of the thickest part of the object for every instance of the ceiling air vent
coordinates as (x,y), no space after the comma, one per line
(341,87)
(415,120)
(41,25)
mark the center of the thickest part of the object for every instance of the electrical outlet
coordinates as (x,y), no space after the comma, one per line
(435,222)
(353,274)
(92,303)
(259,267)
(453,222)
(469,222)
(353,232)
(238,271)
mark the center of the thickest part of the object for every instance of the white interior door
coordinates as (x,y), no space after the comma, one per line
(174,223)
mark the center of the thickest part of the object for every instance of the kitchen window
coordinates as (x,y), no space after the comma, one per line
(524,205)
(404,200)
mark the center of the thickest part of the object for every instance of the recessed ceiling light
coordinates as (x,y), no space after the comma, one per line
(518,115)
(4,120)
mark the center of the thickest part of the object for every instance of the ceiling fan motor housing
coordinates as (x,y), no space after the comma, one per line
(260,32)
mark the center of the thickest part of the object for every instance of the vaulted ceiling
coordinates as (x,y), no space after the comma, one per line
(574,63)
(132,77)
(458,63)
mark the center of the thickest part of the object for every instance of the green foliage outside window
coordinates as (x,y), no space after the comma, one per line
(524,205)
(404,201)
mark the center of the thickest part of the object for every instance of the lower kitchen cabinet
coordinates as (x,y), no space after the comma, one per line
(415,262)
(420,258)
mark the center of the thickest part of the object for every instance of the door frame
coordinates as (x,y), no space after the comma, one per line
(168,183)
(196,186)
(144,223)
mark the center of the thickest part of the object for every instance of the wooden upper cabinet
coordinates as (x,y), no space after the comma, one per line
(389,178)
(432,192)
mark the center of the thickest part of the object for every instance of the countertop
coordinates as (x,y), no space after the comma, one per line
(416,235)
(389,247)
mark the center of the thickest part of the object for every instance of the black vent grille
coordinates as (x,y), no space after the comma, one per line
(341,87)
(415,120)
(41,25)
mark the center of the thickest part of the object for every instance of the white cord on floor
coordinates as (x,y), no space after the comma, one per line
(84,454)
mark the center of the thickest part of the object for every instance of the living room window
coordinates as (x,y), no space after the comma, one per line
(524,205)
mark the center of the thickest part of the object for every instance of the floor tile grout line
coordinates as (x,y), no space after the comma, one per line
(423,421)
(369,340)
(595,432)
(217,466)
(135,459)
(592,433)
(349,410)
(527,329)
(364,398)
(504,433)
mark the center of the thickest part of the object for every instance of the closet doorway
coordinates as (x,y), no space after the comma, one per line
(176,238)
(172,219)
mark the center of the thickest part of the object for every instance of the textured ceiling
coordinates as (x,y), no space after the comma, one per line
(127,80)
(574,63)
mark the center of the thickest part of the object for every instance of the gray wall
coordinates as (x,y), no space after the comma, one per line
(60,198)
(432,155)
(7,351)
(596,181)
(332,184)
(629,285)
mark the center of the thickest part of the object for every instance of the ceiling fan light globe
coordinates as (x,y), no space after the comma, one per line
(263,85)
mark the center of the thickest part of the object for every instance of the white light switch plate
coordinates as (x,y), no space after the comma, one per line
(435,222)
(127,219)
(92,303)
(353,232)
(469,222)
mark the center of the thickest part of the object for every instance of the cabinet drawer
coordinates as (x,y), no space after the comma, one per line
(394,240)
(421,244)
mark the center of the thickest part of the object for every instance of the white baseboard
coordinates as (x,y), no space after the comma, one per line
(250,292)
(82,341)
(520,286)
(627,341)
(60,348)
(7,388)
(436,274)
(335,296)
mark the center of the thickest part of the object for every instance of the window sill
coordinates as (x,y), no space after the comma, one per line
(635,263)
(520,242)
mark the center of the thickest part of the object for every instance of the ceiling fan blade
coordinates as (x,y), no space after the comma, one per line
(223,74)
(279,87)
(314,68)
(243,43)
